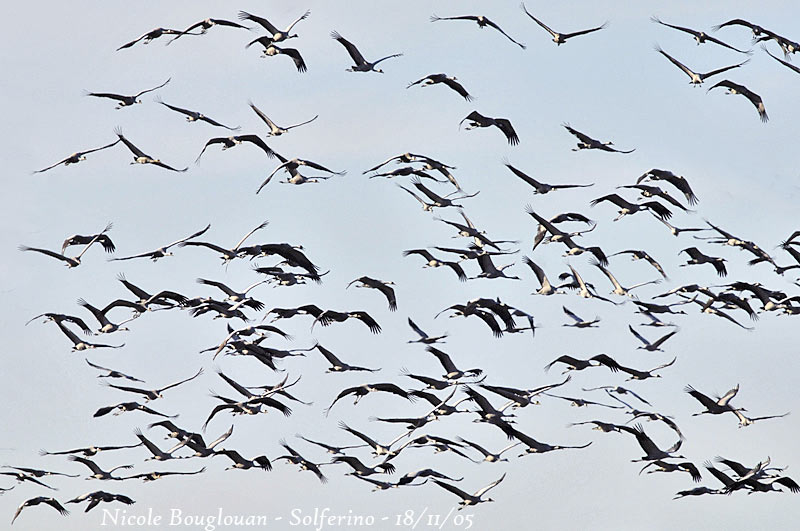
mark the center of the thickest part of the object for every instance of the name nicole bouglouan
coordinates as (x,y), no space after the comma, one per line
(208,522)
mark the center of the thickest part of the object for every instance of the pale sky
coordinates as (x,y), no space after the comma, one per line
(611,84)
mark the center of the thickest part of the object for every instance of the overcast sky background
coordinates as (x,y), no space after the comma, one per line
(611,85)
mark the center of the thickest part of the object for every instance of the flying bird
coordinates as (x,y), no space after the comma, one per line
(277,34)
(361,64)
(476,119)
(561,38)
(423,337)
(380,285)
(100,496)
(697,258)
(163,251)
(153,394)
(140,157)
(482,23)
(231,141)
(647,345)
(539,187)
(207,24)
(699,36)
(152,35)
(450,81)
(678,182)
(696,77)
(193,116)
(126,101)
(276,130)
(587,142)
(270,50)
(52,502)
(73,261)
(755,99)
(77,157)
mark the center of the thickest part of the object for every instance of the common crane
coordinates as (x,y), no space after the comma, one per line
(578,322)
(77,157)
(539,187)
(79,344)
(205,25)
(697,78)
(470,499)
(274,129)
(70,262)
(536,447)
(700,36)
(587,142)
(435,262)
(361,391)
(106,326)
(423,337)
(140,157)
(647,345)
(129,406)
(305,464)
(194,116)
(270,50)
(126,101)
(163,251)
(153,394)
(361,64)
(338,365)
(476,119)
(482,22)
(277,34)
(450,81)
(231,141)
(100,496)
(52,502)
(652,452)
(637,254)
(663,466)
(755,99)
(241,463)
(696,257)
(677,181)
(153,35)
(97,472)
(561,38)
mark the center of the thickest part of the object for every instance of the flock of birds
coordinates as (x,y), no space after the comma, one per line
(456,391)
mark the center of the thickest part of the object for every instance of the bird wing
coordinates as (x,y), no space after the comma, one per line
(677,63)
(170,386)
(542,24)
(508,130)
(582,137)
(724,69)
(152,89)
(358,59)
(566,36)
(255,139)
(296,57)
(639,336)
(727,397)
(728,46)
(455,85)
(244,15)
(195,235)
(136,151)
